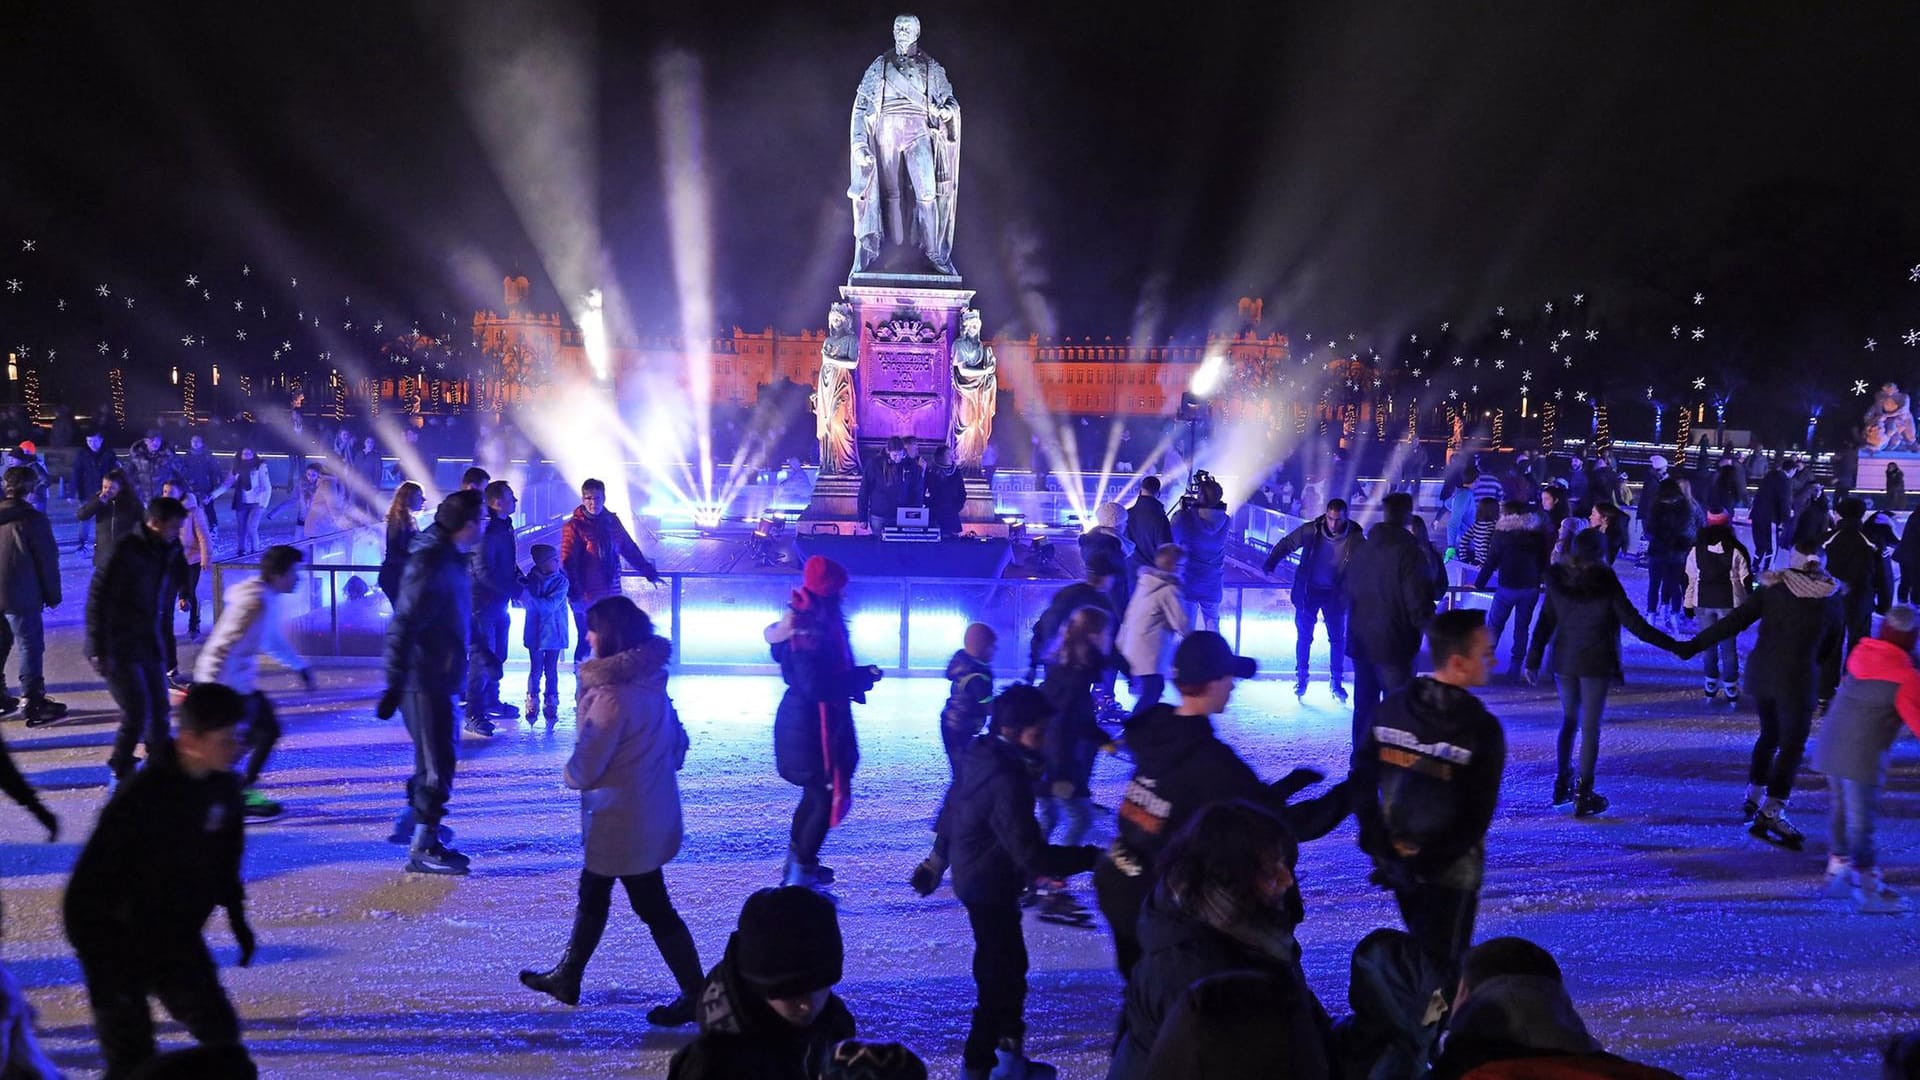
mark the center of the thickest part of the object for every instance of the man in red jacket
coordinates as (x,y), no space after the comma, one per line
(592,543)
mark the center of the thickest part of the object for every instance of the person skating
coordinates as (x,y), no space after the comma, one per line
(1426,780)
(1075,662)
(16,787)
(1522,546)
(544,631)
(1585,609)
(129,619)
(969,693)
(1227,901)
(768,1010)
(1155,620)
(1094,590)
(497,581)
(1862,569)
(91,464)
(593,542)
(251,624)
(426,665)
(815,748)
(149,464)
(996,849)
(1802,615)
(29,585)
(408,500)
(1180,766)
(1719,575)
(1326,547)
(1881,690)
(626,757)
(165,852)
(1390,599)
(113,514)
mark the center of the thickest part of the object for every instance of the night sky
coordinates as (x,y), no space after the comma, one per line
(1126,169)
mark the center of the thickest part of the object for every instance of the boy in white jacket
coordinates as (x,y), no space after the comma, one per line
(250,623)
(1156,619)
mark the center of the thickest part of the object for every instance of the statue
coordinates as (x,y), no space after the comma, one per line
(906,155)
(976,386)
(832,400)
(1890,423)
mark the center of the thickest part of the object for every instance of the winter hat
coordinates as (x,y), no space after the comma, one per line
(1658,462)
(542,552)
(1717,516)
(1110,515)
(788,943)
(823,577)
(857,1060)
(1897,627)
(27,447)
(1205,656)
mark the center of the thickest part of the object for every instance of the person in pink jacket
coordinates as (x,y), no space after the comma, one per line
(1880,692)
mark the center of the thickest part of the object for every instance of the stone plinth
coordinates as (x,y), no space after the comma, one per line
(904,385)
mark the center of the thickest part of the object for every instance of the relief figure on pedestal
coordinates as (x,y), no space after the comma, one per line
(832,402)
(976,386)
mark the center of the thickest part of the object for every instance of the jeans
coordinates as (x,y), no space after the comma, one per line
(543,664)
(263,731)
(246,529)
(1850,822)
(1762,545)
(1666,580)
(1331,606)
(1205,612)
(1371,682)
(190,592)
(486,657)
(648,894)
(139,688)
(86,534)
(1077,810)
(436,741)
(1147,690)
(1518,605)
(1722,662)
(1784,726)
(119,980)
(811,820)
(27,628)
(999,982)
(1583,699)
(581,650)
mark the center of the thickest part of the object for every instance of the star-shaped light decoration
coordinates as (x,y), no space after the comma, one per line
(1505,333)
(51,353)
(1699,298)
(240,335)
(1377,382)
(1699,334)
(1474,389)
(26,245)
(350,304)
(102,291)
(1549,307)
(60,305)
(101,348)
(296,282)
(348,325)
(1413,339)
(239,305)
(1426,353)
(1499,365)
(286,346)
(1526,375)
(1453,395)
(377,324)
(1500,312)
(186,339)
(1593,335)
(1699,383)
(1914,274)
(1559,394)
(1416,373)
(1910,338)
(1860,387)
(1579,298)
(245,270)
(1567,363)
(1553,346)
(1579,395)
(193,281)
(14,285)
(23,351)
(1444,326)
(1872,344)
(1459,360)
(128,300)
(1649,391)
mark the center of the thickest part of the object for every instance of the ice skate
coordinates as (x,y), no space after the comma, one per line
(1015,1065)
(436,859)
(1841,880)
(500,710)
(1872,896)
(480,726)
(1562,790)
(676,1013)
(1300,687)
(1748,809)
(404,827)
(561,982)
(1338,691)
(8,703)
(531,714)
(1772,826)
(257,806)
(1590,804)
(552,711)
(42,711)
(1064,909)
(1711,690)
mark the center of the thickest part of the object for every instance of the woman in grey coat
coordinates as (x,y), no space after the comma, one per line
(629,747)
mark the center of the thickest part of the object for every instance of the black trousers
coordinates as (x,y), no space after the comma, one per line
(1859,625)
(1328,605)
(999,982)
(1784,726)
(1441,920)
(263,731)
(1372,682)
(436,738)
(648,895)
(811,820)
(954,741)
(121,979)
(486,658)
(140,690)
(190,592)
(1148,690)
(1120,898)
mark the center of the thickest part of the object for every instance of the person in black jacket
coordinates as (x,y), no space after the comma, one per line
(1319,589)
(996,849)
(1585,609)
(497,581)
(16,787)
(1772,511)
(1522,545)
(946,492)
(164,854)
(888,484)
(1390,598)
(91,464)
(1148,529)
(1668,519)
(426,665)
(1906,555)
(1227,901)
(1095,591)
(1802,615)
(1181,766)
(29,585)
(814,744)
(1860,566)
(129,616)
(1426,781)
(115,509)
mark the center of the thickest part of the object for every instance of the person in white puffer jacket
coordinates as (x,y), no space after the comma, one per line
(1156,619)
(251,623)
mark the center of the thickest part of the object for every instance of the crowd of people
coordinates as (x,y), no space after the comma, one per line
(1198,889)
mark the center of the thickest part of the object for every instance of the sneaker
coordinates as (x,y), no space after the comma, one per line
(676,1013)
(8,703)
(1841,881)
(503,711)
(1339,692)
(256,805)
(481,726)
(1589,804)
(43,711)
(438,859)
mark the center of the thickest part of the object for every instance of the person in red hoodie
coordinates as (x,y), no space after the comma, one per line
(1880,692)
(592,543)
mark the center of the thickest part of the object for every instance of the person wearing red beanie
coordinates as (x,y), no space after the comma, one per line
(814,746)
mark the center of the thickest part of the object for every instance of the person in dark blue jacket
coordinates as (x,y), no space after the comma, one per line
(497,581)
(1522,544)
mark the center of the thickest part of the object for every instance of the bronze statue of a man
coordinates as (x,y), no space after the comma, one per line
(906,155)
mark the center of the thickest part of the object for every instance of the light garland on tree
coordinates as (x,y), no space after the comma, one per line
(1413,421)
(117,391)
(30,391)
(339,398)
(186,397)
(1499,427)
(1549,422)
(1683,430)
(1602,430)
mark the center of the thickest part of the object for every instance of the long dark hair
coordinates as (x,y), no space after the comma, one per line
(1075,643)
(242,467)
(1215,867)
(619,624)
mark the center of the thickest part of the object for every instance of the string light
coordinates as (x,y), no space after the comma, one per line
(117,390)
(1602,430)
(1683,430)
(186,398)
(1549,421)
(30,392)
(1499,428)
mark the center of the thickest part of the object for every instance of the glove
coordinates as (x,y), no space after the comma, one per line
(389,704)
(46,819)
(1297,781)
(926,877)
(307,681)
(243,934)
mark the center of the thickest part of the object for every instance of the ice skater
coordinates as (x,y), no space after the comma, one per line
(251,623)
(593,541)
(29,587)
(1155,620)
(814,745)
(129,622)
(969,696)
(625,761)
(1881,691)
(1079,656)
(544,631)
(497,581)
(1319,591)
(1719,575)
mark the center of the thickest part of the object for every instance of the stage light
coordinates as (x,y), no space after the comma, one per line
(706,517)
(593,332)
(1209,376)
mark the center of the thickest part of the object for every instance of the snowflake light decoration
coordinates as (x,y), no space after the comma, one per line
(1872,344)
(1579,395)
(26,246)
(1699,383)
(239,305)
(245,270)
(1526,375)
(1459,360)
(1499,365)
(193,281)
(1505,334)
(240,335)
(101,348)
(128,300)
(1914,274)
(1699,334)
(1593,335)
(1500,312)
(14,285)
(186,339)
(1559,395)
(1444,326)
(1567,363)
(1860,387)
(1549,307)
(1910,338)
(1699,298)
(1453,395)
(1674,330)
(1579,298)
(102,291)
